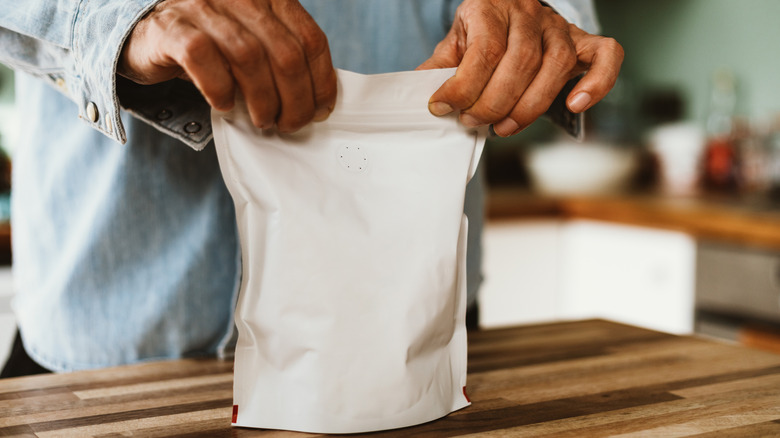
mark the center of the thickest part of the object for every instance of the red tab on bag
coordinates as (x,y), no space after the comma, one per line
(464,395)
(235,413)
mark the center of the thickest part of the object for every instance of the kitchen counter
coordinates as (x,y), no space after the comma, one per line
(725,220)
(584,378)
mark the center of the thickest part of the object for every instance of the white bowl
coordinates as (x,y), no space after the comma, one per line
(567,168)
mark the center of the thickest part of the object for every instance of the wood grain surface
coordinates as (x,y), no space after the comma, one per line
(569,379)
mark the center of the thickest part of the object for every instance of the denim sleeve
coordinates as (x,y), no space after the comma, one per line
(75,45)
(577,12)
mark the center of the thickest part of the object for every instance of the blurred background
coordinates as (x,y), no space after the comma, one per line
(667,216)
(8,133)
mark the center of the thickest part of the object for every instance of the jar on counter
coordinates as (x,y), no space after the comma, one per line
(721,155)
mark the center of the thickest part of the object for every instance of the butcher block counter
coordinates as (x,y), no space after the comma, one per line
(577,379)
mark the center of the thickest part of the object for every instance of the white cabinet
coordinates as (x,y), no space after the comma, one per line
(636,275)
(520,265)
(7,320)
(547,270)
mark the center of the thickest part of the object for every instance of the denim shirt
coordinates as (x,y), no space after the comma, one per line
(126,253)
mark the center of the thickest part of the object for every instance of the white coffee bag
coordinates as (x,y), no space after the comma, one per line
(351,314)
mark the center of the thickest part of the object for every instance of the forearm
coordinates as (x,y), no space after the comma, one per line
(75,45)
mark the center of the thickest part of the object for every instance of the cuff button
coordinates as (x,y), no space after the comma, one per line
(92,112)
(192,127)
(164,114)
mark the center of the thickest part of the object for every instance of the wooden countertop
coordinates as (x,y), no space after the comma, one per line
(574,379)
(724,220)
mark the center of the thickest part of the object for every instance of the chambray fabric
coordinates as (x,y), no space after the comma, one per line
(127,253)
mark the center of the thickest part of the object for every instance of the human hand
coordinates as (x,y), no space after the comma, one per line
(513,57)
(271,50)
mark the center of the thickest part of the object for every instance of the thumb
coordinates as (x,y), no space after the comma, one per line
(445,56)
(436,61)
(603,58)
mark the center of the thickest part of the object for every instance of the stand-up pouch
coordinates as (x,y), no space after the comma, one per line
(351,313)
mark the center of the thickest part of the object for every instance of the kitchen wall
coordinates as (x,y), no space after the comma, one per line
(681,42)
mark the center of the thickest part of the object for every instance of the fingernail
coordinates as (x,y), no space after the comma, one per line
(579,102)
(321,114)
(469,120)
(506,127)
(439,108)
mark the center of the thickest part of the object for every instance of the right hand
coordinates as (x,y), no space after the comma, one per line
(513,58)
(272,50)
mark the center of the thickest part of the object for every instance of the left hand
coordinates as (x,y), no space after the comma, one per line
(513,58)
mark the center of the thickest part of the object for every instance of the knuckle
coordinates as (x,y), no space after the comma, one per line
(244,50)
(563,57)
(192,46)
(526,113)
(198,5)
(313,41)
(290,59)
(557,20)
(193,43)
(614,46)
(461,97)
(489,112)
(531,55)
(492,51)
(609,45)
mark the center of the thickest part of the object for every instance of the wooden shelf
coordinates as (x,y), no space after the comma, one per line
(5,243)
(709,219)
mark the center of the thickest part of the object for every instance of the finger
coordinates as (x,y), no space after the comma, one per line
(293,81)
(317,51)
(516,71)
(445,55)
(288,65)
(604,57)
(558,61)
(252,71)
(202,61)
(248,64)
(323,80)
(485,46)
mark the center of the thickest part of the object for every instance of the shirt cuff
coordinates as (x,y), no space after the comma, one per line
(100,30)
(175,108)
